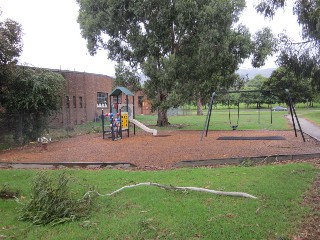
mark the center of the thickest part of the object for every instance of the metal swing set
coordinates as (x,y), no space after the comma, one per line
(293,113)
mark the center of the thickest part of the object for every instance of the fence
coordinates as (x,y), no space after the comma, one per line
(183,111)
(9,128)
(18,128)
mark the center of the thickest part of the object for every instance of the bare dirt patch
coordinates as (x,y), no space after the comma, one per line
(162,151)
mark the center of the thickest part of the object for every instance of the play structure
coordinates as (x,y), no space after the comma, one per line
(117,120)
(234,126)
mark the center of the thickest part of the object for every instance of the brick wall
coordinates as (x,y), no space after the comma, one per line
(79,104)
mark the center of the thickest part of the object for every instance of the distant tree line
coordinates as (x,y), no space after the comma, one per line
(272,90)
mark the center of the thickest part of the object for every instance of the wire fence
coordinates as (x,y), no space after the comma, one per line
(10,126)
(184,111)
(19,128)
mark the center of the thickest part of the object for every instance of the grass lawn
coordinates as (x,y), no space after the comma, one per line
(248,120)
(153,213)
(312,115)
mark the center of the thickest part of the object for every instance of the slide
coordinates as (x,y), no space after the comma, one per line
(143,127)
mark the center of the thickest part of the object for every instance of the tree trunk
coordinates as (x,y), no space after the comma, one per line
(162,118)
(199,106)
(162,111)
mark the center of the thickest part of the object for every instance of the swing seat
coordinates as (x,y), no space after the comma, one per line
(234,127)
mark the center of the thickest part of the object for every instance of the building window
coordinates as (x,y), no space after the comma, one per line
(80,102)
(140,101)
(74,101)
(67,101)
(102,100)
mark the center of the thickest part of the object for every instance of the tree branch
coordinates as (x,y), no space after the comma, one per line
(197,189)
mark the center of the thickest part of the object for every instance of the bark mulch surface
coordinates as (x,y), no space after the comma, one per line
(162,151)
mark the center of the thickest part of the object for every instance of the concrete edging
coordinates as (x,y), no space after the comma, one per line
(181,164)
(236,161)
(88,165)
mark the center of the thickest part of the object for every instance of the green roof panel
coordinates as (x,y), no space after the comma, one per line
(118,90)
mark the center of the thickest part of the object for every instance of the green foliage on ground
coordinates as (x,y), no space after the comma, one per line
(52,202)
(153,213)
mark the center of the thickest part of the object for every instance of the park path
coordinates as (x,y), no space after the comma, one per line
(308,127)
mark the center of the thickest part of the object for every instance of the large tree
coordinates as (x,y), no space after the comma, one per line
(29,95)
(184,47)
(283,78)
(10,50)
(215,67)
(33,95)
(302,58)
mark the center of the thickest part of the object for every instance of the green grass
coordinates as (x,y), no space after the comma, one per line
(312,115)
(248,120)
(153,213)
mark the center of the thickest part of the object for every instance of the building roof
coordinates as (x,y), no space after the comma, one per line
(118,90)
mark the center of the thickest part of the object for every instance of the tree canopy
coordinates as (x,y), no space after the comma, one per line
(31,95)
(34,91)
(186,48)
(10,50)
(125,76)
(10,41)
(302,58)
(283,78)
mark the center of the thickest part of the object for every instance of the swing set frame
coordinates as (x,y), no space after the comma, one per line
(293,113)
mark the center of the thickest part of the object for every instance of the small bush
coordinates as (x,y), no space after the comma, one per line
(7,193)
(52,202)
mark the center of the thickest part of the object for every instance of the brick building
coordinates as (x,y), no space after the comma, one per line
(87,94)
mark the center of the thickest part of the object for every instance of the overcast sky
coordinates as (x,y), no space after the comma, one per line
(52,36)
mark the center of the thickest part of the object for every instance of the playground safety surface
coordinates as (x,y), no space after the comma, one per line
(168,149)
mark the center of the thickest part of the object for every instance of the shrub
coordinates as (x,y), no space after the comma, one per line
(52,202)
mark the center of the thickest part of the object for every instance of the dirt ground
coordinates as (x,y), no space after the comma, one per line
(162,151)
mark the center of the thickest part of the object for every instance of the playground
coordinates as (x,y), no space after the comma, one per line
(164,150)
(149,149)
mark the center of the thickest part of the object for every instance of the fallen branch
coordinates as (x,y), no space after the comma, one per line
(197,189)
